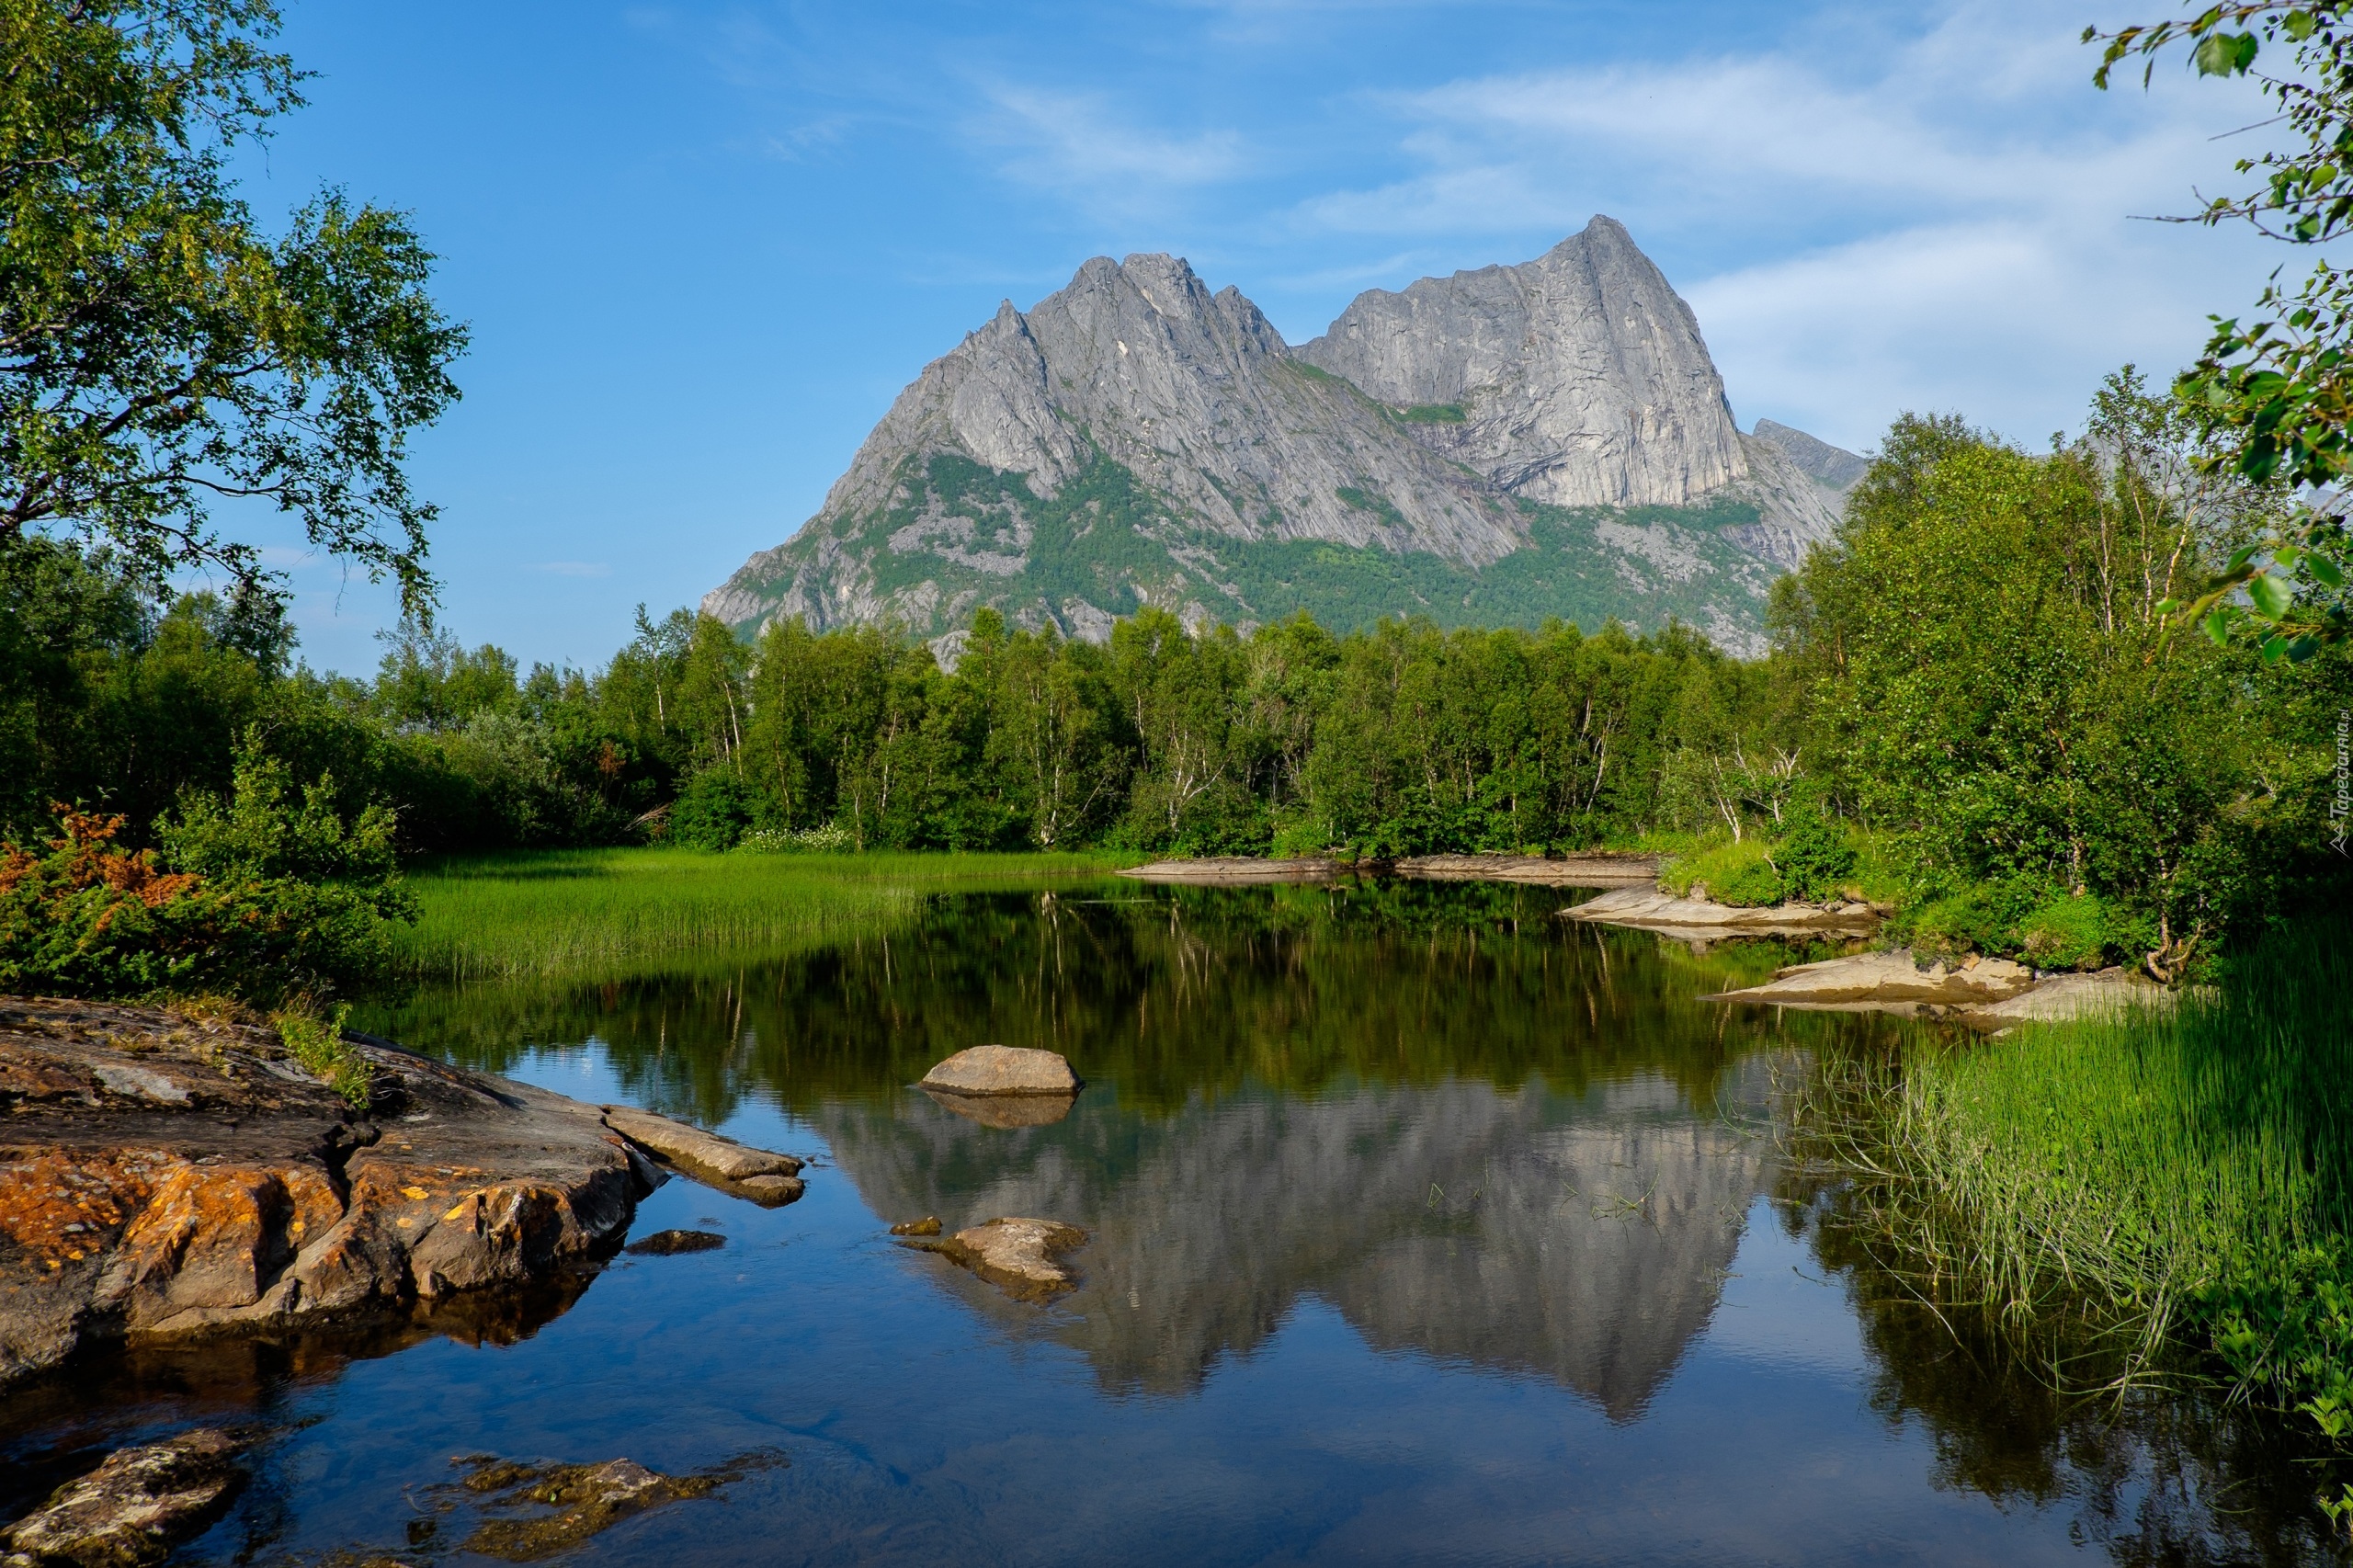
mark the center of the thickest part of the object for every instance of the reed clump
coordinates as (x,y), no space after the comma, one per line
(612,914)
(2170,1182)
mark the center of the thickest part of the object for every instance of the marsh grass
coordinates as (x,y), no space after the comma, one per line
(608,915)
(2133,1189)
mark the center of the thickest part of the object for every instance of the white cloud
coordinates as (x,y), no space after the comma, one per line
(1076,143)
(1944,223)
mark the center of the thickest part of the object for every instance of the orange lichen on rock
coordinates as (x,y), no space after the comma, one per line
(162,1176)
(214,1238)
(56,1207)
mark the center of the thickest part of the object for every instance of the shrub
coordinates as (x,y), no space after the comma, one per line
(1741,874)
(1814,856)
(712,811)
(1966,922)
(255,898)
(2069,933)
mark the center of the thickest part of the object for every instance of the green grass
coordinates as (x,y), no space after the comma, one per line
(2178,1181)
(610,914)
(1740,874)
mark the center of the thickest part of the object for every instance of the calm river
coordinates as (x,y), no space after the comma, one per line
(1427,1227)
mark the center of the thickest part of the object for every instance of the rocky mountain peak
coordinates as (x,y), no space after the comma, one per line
(1468,448)
(1579,378)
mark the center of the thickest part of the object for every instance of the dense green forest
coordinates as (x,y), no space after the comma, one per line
(1975,708)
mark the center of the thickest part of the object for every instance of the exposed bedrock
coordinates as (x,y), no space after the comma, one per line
(163,1176)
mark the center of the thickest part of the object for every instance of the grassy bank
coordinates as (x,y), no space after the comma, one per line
(608,913)
(2180,1183)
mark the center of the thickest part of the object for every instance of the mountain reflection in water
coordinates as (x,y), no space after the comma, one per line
(1425,1226)
(1288,1096)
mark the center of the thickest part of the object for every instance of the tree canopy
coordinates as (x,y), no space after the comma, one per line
(161,351)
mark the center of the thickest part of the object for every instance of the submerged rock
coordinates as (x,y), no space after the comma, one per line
(1650,910)
(134,1508)
(1021,1257)
(162,1176)
(665,1244)
(1003,1069)
(564,1504)
(927,1226)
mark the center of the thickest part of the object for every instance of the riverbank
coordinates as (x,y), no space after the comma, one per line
(1598,867)
(613,913)
(2176,1178)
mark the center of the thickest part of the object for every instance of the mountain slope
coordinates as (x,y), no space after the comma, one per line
(1500,445)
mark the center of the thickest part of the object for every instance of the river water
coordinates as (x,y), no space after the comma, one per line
(1425,1227)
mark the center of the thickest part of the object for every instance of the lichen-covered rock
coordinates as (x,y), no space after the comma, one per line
(162,1175)
(1003,1069)
(133,1508)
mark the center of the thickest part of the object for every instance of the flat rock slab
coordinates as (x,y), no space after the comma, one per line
(1003,1069)
(162,1176)
(1239,870)
(1601,869)
(2064,998)
(719,1161)
(1021,1257)
(1648,909)
(133,1509)
(1983,993)
(1588,870)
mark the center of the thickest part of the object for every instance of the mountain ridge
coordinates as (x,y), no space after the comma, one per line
(1134,438)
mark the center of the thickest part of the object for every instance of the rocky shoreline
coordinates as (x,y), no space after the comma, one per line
(1983,993)
(1601,867)
(165,1175)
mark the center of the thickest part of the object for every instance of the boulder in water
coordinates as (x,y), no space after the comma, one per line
(1003,1069)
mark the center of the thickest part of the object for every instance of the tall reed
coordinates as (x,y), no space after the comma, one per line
(610,914)
(2174,1179)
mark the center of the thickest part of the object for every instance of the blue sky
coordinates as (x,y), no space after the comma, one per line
(701,247)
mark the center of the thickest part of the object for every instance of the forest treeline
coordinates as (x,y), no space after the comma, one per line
(1975,686)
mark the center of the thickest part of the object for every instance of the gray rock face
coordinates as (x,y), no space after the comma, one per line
(1137,439)
(1580,378)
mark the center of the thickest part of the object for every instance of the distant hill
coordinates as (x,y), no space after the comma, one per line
(1497,447)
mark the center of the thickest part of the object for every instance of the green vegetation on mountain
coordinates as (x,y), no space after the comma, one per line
(1103,536)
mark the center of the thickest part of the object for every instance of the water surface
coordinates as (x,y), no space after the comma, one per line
(1426,1227)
